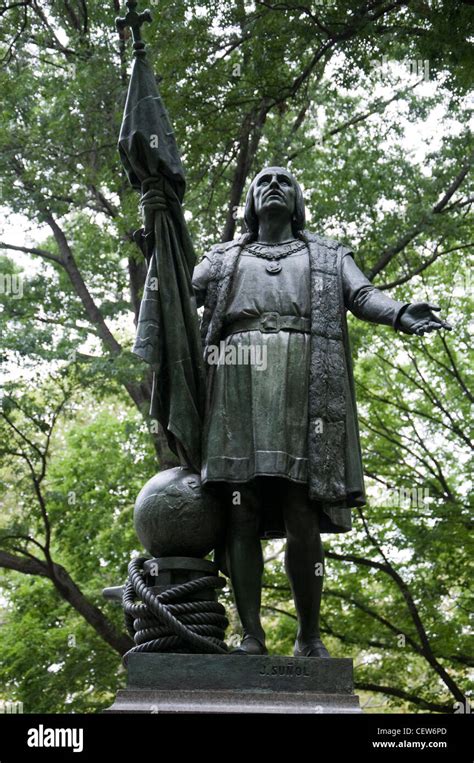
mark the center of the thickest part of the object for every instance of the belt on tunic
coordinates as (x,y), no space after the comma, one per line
(269,323)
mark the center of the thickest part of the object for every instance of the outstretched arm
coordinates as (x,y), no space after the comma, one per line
(368,303)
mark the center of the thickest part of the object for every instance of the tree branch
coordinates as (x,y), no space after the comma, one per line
(390,252)
(379,106)
(71,593)
(435,256)
(33,250)
(69,264)
(30,566)
(392,691)
(388,569)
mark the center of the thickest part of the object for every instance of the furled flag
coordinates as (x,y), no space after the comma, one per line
(168,331)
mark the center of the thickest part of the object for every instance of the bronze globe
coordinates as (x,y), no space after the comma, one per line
(175,516)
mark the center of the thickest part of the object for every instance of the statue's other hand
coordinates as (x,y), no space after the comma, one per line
(420,318)
(152,201)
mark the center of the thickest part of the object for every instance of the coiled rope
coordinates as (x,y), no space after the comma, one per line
(163,623)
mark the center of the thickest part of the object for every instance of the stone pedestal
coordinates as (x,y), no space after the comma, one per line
(201,683)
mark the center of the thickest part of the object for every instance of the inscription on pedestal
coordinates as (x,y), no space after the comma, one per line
(211,683)
(284,670)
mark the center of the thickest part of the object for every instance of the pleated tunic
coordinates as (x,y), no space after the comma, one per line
(257,424)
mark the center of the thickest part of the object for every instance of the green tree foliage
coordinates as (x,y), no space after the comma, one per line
(367,105)
(73,489)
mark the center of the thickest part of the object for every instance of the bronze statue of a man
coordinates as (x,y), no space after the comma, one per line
(281,436)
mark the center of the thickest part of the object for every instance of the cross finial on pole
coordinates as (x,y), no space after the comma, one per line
(134,20)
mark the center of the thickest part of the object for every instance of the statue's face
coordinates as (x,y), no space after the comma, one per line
(274,190)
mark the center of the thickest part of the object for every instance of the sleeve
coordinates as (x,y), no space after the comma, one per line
(200,280)
(364,300)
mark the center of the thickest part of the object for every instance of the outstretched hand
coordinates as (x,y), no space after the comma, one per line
(419,318)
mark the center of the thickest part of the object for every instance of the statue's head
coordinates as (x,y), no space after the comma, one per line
(274,191)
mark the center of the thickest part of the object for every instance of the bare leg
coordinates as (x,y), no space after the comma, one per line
(304,563)
(245,560)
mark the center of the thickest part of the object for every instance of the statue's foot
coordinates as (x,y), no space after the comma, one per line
(250,645)
(312,648)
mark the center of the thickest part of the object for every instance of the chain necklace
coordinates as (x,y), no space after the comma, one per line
(275,252)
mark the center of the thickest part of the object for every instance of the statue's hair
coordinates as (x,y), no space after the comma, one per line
(298,218)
